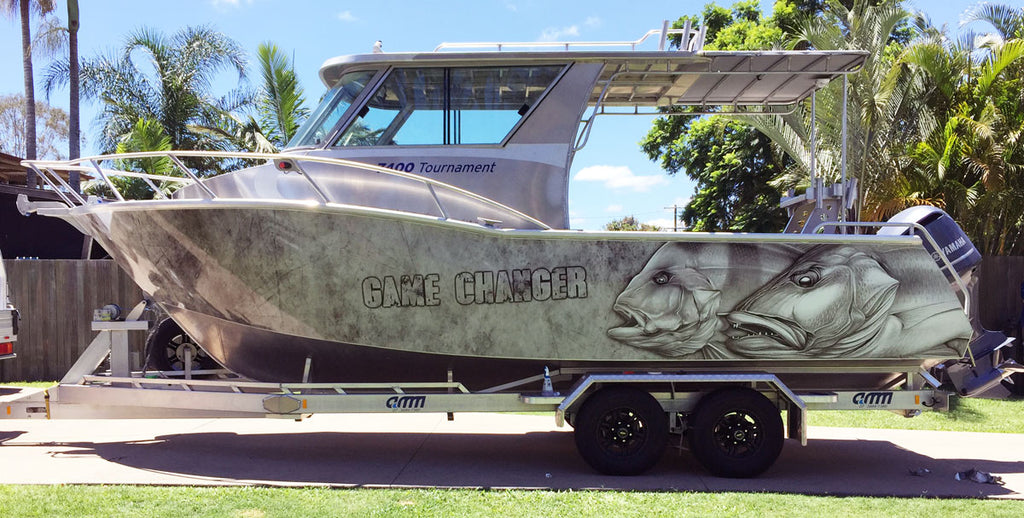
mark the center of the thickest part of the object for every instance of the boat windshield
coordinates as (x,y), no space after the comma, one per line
(448,106)
(318,126)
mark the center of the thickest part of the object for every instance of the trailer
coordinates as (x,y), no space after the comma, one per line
(734,422)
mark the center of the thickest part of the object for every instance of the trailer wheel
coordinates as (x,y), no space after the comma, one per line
(736,432)
(166,347)
(621,431)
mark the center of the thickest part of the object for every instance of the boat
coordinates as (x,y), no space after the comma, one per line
(416,229)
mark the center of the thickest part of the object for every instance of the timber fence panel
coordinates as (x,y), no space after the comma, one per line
(56,299)
(999,289)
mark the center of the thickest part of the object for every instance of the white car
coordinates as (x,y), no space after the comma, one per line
(8,319)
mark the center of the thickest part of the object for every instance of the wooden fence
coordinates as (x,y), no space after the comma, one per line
(1000,292)
(57,297)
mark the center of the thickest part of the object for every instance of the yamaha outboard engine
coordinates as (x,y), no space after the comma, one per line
(980,368)
(947,234)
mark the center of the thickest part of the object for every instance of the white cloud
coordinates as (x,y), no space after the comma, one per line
(570,31)
(556,34)
(347,16)
(614,208)
(619,177)
(664,223)
(511,7)
(222,4)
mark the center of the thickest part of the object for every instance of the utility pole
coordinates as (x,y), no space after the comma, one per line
(675,217)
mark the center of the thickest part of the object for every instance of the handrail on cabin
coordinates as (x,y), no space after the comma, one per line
(694,41)
(283,162)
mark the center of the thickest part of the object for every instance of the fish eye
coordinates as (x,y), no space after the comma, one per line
(805,279)
(661,278)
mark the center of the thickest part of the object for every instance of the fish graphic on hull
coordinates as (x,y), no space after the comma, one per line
(832,302)
(772,301)
(838,301)
(672,307)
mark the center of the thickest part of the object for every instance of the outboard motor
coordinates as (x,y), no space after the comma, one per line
(947,234)
(980,369)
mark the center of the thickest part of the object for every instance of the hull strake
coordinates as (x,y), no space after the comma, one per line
(416,285)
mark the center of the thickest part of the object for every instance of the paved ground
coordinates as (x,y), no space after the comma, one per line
(476,450)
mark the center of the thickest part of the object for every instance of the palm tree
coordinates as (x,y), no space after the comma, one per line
(279,102)
(74,127)
(23,8)
(54,39)
(146,135)
(972,148)
(160,78)
(881,101)
(278,106)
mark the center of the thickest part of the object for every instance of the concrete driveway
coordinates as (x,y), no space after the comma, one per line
(476,451)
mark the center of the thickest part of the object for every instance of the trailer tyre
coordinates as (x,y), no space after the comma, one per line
(166,347)
(736,432)
(621,431)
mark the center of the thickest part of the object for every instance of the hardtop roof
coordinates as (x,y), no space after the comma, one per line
(653,78)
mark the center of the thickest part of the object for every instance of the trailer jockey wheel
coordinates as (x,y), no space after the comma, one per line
(166,348)
(621,431)
(736,432)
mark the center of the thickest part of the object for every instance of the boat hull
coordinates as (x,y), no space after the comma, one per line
(377,295)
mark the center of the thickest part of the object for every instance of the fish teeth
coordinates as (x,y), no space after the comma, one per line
(739,327)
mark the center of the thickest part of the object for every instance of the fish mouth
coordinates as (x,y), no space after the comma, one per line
(752,327)
(641,331)
(635,326)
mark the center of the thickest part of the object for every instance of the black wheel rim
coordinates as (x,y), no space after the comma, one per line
(175,352)
(622,432)
(738,433)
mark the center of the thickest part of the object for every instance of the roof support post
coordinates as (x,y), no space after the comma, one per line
(842,160)
(815,184)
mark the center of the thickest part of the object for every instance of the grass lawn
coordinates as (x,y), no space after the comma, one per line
(101,501)
(33,384)
(965,415)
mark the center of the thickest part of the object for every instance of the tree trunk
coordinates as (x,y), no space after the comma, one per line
(74,133)
(30,97)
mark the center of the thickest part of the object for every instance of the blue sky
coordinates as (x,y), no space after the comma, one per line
(610,178)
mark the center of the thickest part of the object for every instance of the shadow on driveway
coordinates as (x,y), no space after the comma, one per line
(527,460)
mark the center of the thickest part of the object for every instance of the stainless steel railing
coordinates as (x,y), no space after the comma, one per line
(284,162)
(946,264)
(693,41)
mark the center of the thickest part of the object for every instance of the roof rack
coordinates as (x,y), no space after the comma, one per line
(693,41)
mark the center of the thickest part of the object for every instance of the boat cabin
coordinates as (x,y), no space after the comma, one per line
(506,124)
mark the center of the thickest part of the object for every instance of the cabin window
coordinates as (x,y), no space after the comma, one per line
(337,101)
(448,106)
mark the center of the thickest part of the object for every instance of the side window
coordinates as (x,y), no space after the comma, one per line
(407,109)
(448,106)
